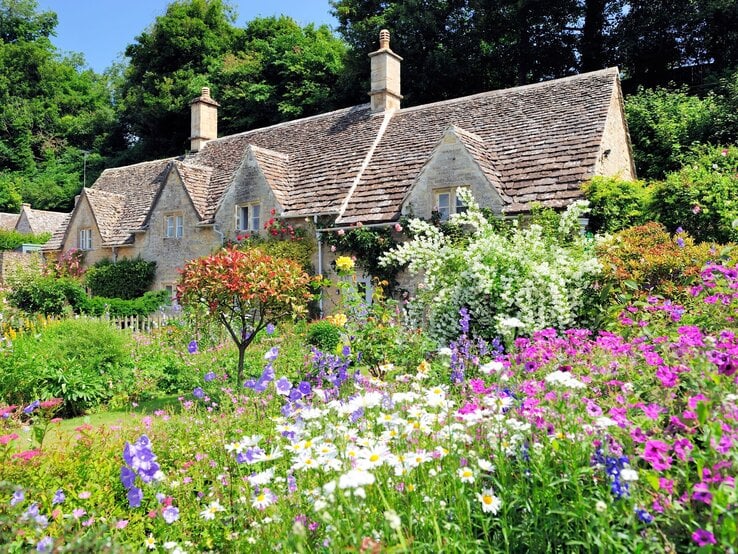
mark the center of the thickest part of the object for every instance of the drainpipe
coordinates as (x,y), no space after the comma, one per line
(320,262)
(114,255)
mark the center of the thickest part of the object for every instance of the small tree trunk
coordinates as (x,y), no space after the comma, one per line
(241,353)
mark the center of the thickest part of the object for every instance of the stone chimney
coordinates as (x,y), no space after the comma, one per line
(385,88)
(203,120)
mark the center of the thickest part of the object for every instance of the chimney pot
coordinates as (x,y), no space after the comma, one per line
(206,92)
(384,39)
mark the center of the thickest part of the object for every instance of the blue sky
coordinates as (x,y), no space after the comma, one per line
(101,29)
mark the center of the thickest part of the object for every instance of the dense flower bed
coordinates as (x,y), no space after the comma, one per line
(618,442)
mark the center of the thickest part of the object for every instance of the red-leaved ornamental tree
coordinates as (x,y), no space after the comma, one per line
(245,290)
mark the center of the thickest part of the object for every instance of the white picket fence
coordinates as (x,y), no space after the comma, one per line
(140,324)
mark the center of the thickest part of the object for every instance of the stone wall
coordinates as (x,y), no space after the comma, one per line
(171,253)
(13,262)
(83,219)
(615,157)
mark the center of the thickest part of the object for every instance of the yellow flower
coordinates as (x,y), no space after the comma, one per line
(338,319)
(344,264)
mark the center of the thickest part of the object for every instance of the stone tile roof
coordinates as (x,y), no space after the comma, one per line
(325,152)
(57,237)
(8,221)
(108,209)
(276,169)
(196,180)
(544,137)
(43,221)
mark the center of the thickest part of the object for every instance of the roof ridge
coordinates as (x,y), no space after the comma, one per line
(151,162)
(501,91)
(288,123)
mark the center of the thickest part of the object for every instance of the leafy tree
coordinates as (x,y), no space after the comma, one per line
(664,125)
(279,71)
(245,290)
(169,63)
(51,109)
(616,204)
(10,200)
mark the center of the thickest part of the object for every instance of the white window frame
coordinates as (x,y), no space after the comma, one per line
(84,238)
(174,226)
(454,206)
(252,213)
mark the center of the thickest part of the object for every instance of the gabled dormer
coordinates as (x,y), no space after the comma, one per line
(460,159)
(259,189)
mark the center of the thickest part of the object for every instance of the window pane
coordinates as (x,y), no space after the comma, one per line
(170,226)
(255,217)
(460,206)
(180,226)
(444,208)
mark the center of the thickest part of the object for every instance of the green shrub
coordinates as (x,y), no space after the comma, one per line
(324,335)
(83,362)
(702,197)
(664,126)
(125,279)
(10,240)
(616,204)
(118,307)
(46,294)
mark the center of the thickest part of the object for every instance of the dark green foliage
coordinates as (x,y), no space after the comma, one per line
(85,363)
(702,197)
(126,279)
(324,335)
(46,295)
(117,307)
(664,125)
(368,244)
(616,204)
(10,240)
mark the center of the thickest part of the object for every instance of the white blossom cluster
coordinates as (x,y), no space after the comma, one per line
(529,277)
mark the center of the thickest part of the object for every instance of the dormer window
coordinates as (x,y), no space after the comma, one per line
(448,202)
(174,226)
(248,218)
(84,239)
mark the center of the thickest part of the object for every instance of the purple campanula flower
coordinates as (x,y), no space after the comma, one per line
(18,497)
(270,328)
(305,388)
(135,496)
(272,354)
(283,386)
(357,415)
(127,477)
(31,407)
(198,393)
(643,515)
(268,373)
(45,545)
(209,376)
(250,384)
(59,497)
(261,385)
(295,394)
(170,514)
(346,351)
(192,347)
(291,483)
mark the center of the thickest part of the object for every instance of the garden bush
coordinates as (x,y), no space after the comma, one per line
(702,197)
(523,281)
(324,335)
(10,240)
(126,279)
(85,363)
(144,305)
(46,294)
(647,260)
(616,204)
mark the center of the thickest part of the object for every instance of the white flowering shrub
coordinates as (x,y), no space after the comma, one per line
(526,280)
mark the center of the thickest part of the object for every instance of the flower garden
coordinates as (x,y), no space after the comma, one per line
(571,400)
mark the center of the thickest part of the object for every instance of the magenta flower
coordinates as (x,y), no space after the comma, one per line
(656,453)
(702,493)
(703,537)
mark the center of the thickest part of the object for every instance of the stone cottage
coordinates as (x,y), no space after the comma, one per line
(370,163)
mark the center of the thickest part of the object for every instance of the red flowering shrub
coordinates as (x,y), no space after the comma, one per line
(245,290)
